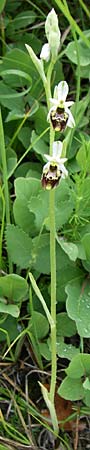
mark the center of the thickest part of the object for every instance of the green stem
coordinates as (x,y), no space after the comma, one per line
(53,292)
(4,165)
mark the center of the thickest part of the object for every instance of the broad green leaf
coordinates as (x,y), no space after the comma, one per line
(71,389)
(17,59)
(13,310)
(86,384)
(40,147)
(24,19)
(81,108)
(8,98)
(44,350)
(83,156)
(65,326)
(66,272)
(26,188)
(41,121)
(84,71)
(41,253)
(30,191)
(86,244)
(84,53)
(41,324)
(39,205)
(69,248)
(79,366)
(24,136)
(13,287)
(11,327)
(78,305)
(25,220)
(64,204)
(22,170)
(86,399)
(2,5)
(66,350)
(81,251)
(19,246)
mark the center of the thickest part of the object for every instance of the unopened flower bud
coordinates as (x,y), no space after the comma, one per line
(53,33)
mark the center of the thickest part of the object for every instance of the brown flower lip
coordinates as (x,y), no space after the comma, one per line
(51,177)
(59,119)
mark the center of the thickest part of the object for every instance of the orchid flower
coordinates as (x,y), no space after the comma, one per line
(54,169)
(59,114)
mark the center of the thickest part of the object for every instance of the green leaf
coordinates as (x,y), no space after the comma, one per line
(66,350)
(8,98)
(41,324)
(86,244)
(86,399)
(71,389)
(44,350)
(84,55)
(23,19)
(13,310)
(84,204)
(69,248)
(13,287)
(41,253)
(39,205)
(78,306)
(64,204)
(66,272)
(19,246)
(41,124)
(86,384)
(17,59)
(29,191)
(83,156)
(79,366)
(2,5)
(24,136)
(65,326)
(40,147)
(11,327)
(26,188)
(27,220)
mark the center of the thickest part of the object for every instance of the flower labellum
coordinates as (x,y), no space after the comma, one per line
(54,169)
(59,119)
(59,115)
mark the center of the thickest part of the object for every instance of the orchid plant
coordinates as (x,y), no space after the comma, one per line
(60,117)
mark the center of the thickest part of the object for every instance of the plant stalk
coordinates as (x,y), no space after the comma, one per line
(53,292)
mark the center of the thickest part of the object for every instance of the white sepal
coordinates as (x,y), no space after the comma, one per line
(45,52)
